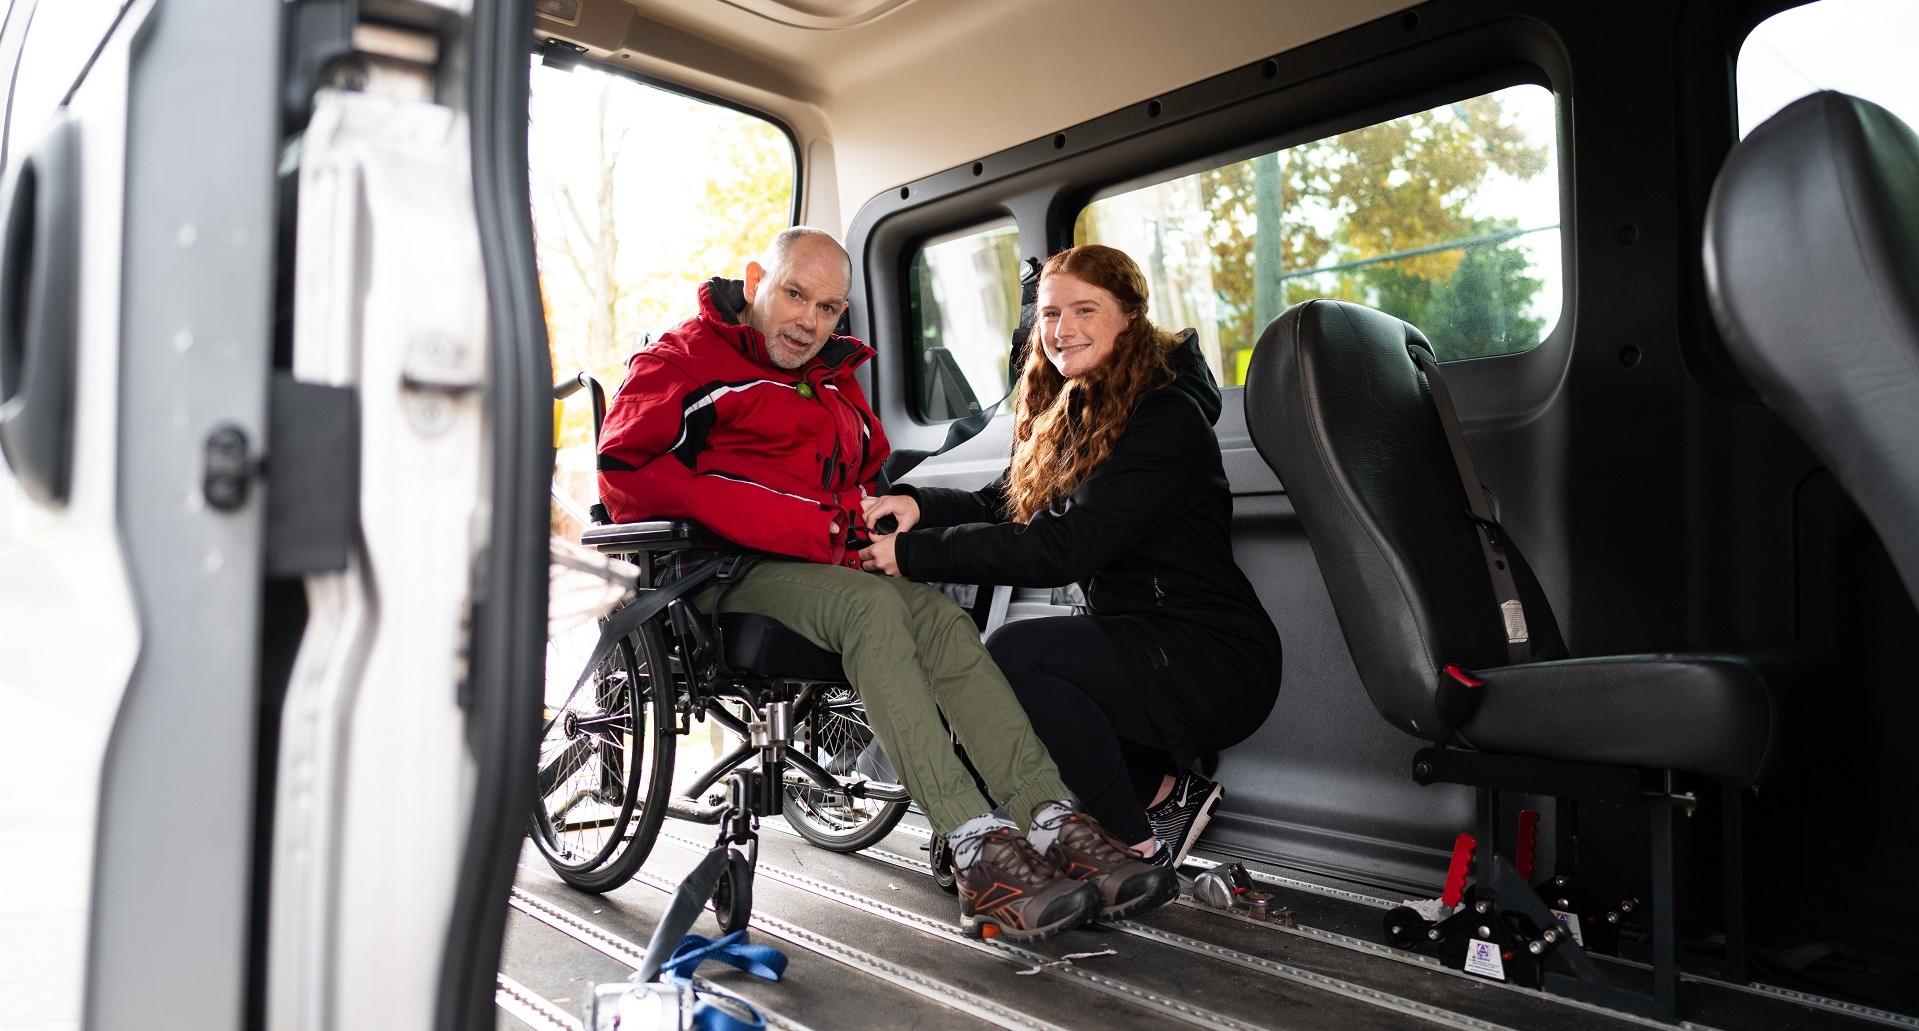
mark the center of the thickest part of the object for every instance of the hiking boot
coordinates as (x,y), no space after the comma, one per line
(1128,885)
(1178,821)
(1010,892)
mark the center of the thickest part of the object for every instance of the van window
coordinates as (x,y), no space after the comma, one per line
(963,304)
(1448,218)
(1861,47)
(640,194)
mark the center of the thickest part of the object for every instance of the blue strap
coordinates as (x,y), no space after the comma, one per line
(762,961)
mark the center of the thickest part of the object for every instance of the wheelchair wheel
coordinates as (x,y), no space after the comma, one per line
(940,858)
(606,758)
(733,896)
(836,736)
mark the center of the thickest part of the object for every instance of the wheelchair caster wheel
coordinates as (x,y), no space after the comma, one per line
(1405,928)
(733,895)
(940,856)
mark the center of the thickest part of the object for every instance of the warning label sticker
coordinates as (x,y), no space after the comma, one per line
(1482,958)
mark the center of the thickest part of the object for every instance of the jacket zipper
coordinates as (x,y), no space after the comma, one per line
(1159,596)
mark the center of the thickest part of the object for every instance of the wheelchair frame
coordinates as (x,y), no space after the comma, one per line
(672,671)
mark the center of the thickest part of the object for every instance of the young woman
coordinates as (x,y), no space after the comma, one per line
(1116,483)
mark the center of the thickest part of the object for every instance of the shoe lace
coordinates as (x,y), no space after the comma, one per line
(1016,855)
(1097,840)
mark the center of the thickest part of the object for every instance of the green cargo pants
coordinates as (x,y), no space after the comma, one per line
(911,653)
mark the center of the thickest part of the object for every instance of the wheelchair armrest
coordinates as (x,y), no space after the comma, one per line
(650,536)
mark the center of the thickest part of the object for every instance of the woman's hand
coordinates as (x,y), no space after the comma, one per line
(878,556)
(900,506)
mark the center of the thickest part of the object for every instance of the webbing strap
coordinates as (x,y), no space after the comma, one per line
(903,460)
(626,620)
(1512,611)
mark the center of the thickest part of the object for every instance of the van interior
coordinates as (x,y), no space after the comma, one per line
(305,308)
(1527,184)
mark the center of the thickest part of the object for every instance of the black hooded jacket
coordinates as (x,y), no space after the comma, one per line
(1148,538)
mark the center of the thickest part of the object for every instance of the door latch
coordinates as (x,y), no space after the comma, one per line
(230,468)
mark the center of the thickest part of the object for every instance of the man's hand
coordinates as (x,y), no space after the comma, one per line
(878,556)
(900,506)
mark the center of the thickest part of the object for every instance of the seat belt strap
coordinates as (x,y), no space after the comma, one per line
(626,620)
(903,460)
(1512,611)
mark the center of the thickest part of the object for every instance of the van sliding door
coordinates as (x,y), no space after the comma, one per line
(414,392)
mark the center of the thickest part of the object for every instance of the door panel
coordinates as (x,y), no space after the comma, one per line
(173,861)
(375,773)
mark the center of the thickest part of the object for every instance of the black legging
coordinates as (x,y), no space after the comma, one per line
(1086,708)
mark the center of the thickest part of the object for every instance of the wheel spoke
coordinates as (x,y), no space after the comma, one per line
(564,765)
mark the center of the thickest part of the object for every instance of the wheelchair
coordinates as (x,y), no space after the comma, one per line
(802,747)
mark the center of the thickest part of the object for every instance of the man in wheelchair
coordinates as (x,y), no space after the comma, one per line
(747,418)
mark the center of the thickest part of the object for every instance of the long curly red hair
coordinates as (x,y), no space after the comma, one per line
(1064,429)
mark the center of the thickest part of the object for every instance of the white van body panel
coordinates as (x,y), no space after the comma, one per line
(69,633)
(389,300)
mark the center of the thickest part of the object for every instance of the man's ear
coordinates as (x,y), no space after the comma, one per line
(754,273)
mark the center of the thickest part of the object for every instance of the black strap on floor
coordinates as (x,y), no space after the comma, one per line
(688,902)
(1512,611)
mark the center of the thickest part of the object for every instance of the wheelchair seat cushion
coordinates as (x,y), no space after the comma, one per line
(1721,715)
(762,646)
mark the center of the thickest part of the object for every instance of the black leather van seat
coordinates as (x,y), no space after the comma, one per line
(1812,264)
(1339,409)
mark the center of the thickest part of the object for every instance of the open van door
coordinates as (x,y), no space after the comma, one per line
(272,531)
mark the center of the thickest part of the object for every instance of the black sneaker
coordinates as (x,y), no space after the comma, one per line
(1010,892)
(1178,821)
(1128,885)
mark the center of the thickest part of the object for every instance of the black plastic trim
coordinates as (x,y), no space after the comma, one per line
(508,622)
(40,314)
(1313,91)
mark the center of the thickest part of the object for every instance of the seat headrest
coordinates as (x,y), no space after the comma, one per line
(1812,266)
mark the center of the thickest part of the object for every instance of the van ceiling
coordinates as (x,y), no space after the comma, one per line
(883,92)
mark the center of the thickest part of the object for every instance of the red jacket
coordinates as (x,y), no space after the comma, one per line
(706,428)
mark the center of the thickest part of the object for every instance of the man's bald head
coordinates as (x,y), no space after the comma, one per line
(802,238)
(796,293)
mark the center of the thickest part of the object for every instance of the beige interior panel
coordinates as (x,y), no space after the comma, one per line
(906,88)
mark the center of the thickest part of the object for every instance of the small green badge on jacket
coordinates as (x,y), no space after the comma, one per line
(806,391)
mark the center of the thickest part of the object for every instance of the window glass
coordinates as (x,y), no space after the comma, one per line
(963,303)
(639,195)
(1861,47)
(1448,218)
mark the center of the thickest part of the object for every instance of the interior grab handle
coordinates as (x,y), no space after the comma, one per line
(39,314)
